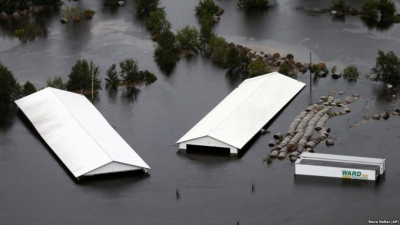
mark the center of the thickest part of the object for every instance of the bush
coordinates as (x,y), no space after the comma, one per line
(340,5)
(396,18)
(257,68)
(369,10)
(218,46)
(80,76)
(57,82)
(148,77)
(255,4)
(206,35)
(350,72)
(166,54)
(9,6)
(188,39)
(386,8)
(237,60)
(284,69)
(28,89)
(314,68)
(10,89)
(129,71)
(206,7)
(20,33)
(333,69)
(89,11)
(112,79)
(157,21)
(387,68)
(70,12)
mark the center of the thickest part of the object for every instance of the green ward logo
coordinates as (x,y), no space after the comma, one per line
(351,174)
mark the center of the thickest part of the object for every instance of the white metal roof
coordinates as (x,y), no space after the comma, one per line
(309,155)
(246,110)
(76,131)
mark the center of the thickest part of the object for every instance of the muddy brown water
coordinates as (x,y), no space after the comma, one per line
(35,189)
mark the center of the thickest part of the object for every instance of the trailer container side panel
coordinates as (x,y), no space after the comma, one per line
(327,163)
(344,158)
(337,172)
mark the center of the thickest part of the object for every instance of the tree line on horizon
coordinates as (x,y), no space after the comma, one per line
(79,78)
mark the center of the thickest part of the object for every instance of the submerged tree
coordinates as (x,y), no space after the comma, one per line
(166,54)
(28,89)
(81,74)
(129,71)
(218,46)
(47,2)
(9,6)
(129,74)
(386,8)
(111,2)
(188,39)
(147,76)
(257,68)
(10,89)
(144,7)
(387,68)
(253,4)
(340,5)
(237,60)
(57,82)
(157,21)
(373,8)
(206,8)
(112,79)
(205,35)
(284,69)
(369,10)
(350,72)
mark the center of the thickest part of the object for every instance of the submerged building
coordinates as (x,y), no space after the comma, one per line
(243,113)
(78,134)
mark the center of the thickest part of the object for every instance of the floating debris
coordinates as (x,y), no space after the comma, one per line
(282,153)
(385,115)
(278,135)
(299,135)
(329,142)
(263,131)
(376,116)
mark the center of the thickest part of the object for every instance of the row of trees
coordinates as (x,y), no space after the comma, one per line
(129,74)
(9,6)
(167,53)
(371,10)
(83,73)
(221,52)
(189,40)
(79,78)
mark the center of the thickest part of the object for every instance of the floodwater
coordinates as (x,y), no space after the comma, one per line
(36,189)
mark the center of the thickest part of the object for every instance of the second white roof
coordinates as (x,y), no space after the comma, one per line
(246,110)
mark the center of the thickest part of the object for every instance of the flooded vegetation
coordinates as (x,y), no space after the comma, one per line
(195,188)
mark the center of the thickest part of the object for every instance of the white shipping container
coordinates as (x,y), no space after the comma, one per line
(336,169)
(346,159)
